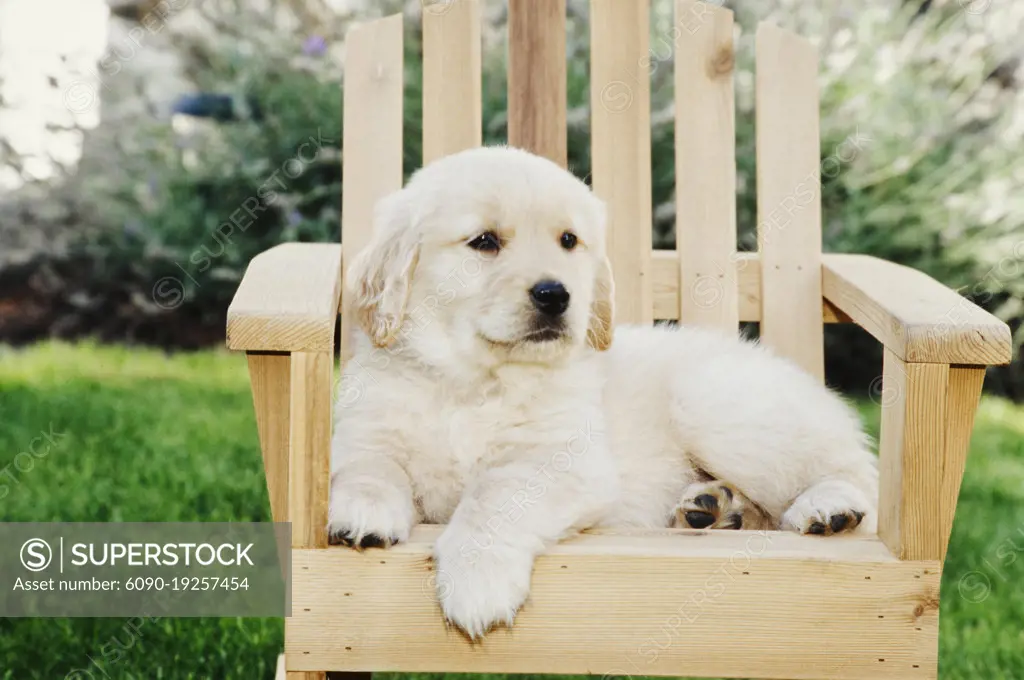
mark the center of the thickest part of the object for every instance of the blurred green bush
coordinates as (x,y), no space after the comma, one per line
(927,97)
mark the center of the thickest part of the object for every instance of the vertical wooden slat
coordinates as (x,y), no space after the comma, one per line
(962,396)
(913,442)
(451,78)
(309,453)
(706,166)
(372,168)
(269,375)
(788,196)
(621,147)
(536,77)
(309,447)
(372,151)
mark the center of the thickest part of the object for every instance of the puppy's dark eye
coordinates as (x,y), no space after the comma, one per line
(568,240)
(487,242)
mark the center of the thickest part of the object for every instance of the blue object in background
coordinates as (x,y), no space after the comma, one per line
(222,108)
(219,107)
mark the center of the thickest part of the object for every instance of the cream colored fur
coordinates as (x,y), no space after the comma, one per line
(449,413)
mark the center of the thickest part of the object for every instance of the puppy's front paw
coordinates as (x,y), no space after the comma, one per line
(480,587)
(717,505)
(368,513)
(827,508)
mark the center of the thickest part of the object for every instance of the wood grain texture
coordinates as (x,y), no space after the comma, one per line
(282,674)
(284,304)
(287,300)
(963,393)
(372,134)
(536,77)
(270,378)
(310,448)
(911,451)
(451,78)
(621,147)
(705,120)
(918,318)
(634,605)
(665,275)
(788,196)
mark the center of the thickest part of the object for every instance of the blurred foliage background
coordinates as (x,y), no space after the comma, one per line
(135,248)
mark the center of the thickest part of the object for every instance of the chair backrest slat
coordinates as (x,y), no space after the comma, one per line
(372,122)
(621,147)
(705,118)
(451,78)
(536,77)
(788,196)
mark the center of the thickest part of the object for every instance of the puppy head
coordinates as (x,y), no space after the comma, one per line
(491,253)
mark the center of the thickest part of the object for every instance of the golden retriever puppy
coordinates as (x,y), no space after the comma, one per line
(487,393)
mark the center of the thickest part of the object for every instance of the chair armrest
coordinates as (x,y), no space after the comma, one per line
(288,300)
(912,314)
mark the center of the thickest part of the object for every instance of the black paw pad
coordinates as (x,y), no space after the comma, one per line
(706,501)
(340,538)
(838,523)
(368,541)
(816,528)
(374,541)
(699,520)
(735,521)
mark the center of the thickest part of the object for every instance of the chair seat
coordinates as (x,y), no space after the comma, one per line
(664,602)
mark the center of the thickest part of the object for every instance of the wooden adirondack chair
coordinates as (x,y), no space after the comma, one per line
(720,604)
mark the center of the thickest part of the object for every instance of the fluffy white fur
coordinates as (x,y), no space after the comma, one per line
(452,412)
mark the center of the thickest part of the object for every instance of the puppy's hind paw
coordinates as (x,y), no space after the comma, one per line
(826,509)
(717,505)
(341,536)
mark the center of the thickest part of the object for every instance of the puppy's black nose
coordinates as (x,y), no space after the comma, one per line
(550,297)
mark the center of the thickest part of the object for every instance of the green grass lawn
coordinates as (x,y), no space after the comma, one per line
(140,436)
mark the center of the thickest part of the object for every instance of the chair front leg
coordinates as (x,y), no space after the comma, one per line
(927,416)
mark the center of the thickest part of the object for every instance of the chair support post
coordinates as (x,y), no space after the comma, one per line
(309,446)
(927,416)
(963,393)
(269,375)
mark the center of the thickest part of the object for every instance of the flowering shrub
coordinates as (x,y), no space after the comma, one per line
(922,123)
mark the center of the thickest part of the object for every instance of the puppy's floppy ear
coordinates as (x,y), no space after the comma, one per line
(380,276)
(602,309)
